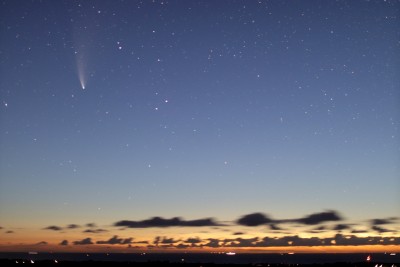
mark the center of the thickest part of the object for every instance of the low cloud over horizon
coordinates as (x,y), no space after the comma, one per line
(257,219)
(266,241)
(327,228)
(282,232)
(319,219)
(161,222)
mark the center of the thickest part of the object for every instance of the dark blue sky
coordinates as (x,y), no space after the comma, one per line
(197,109)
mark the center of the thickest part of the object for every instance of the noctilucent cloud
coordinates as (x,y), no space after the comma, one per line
(199,124)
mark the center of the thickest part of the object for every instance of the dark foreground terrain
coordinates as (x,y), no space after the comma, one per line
(16,262)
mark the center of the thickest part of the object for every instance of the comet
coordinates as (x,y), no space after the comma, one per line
(82,36)
(81,72)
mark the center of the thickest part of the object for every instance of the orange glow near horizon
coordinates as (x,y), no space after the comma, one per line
(62,238)
(96,248)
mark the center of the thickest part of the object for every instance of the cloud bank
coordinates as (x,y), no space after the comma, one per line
(161,222)
(329,221)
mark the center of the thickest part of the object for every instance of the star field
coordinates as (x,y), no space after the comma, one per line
(127,110)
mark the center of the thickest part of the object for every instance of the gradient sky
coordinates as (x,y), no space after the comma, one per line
(129,110)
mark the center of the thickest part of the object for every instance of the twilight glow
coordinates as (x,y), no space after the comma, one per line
(258,126)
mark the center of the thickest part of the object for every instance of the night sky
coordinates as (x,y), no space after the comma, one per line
(166,125)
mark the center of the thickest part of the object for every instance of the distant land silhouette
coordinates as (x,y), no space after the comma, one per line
(200,259)
(169,264)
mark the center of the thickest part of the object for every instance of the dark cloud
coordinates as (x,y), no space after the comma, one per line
(383,221)
(168,241)
(53,227)
(258,242)
(340,227)
(200,223)
(380,229)
(352,240)
(238,233)
(319,229)
(380,221)
(95,231)
(167,246)
(359,231)
(91,225)
(86,241)
(157,240)
(257,219)
(9,232)
(213,243)
(318,218)
(161,222)
(274,227)
(254,219)
(192,240)
(182,246)
(240,242)
(287,241)
(115,241)
(42,243)
(164,241)
(141,242)
(64,243)
(73,226)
